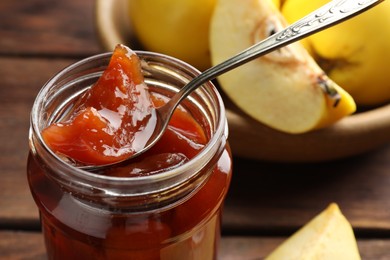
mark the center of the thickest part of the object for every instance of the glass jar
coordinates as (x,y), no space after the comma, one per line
(175,214)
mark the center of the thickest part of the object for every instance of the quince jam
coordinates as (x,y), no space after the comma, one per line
(86,218)
(115,117)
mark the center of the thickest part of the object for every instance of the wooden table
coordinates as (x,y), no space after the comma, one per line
(267,202)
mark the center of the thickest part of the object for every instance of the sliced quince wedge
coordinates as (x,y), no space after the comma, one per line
(327,236)
(285,89)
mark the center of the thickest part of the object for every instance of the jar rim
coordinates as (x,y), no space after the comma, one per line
(220,132)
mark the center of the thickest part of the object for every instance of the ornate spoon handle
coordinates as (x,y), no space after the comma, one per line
(331,13)
(334,11)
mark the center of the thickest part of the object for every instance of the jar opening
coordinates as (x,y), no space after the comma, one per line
(164,75)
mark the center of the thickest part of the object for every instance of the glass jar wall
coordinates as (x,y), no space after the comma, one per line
(174,214)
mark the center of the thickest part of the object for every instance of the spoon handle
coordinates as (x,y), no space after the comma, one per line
(330,14)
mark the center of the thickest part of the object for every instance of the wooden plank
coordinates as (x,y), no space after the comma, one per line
(231,248)
(51,28)
(22,245)
(21,80)
(251,248)
(282,197)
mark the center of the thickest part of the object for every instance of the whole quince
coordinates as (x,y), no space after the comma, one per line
(355,54)
(176,28)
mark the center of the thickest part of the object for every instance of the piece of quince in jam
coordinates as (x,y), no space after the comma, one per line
(105,120)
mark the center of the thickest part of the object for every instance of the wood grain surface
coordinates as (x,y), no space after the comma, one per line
(267,201)
(232,247)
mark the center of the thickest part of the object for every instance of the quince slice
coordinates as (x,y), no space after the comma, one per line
(327,236)
(284,89)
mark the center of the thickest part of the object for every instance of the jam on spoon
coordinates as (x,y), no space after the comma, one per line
(112,120)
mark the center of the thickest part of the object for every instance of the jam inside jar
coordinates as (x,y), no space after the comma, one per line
(171,213)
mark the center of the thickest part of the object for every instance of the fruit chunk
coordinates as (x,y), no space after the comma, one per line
(284,89)
(107,121)
(328,236)
(355,53)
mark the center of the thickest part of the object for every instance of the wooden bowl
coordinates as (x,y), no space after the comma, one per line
(248,138)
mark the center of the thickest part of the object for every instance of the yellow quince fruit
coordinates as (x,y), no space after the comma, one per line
(177,28)
(327,236)
(355,53)
(285,89)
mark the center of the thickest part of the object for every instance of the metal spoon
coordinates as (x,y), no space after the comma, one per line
(328,15)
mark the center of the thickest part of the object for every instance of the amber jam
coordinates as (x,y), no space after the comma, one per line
(165,205)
